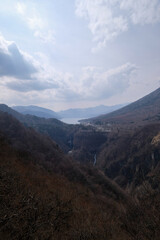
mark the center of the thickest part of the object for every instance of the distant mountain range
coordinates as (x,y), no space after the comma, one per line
(89,112)
(69,113)
(36,111)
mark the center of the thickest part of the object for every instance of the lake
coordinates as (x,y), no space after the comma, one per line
(71,120)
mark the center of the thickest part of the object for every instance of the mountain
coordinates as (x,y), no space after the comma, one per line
(129,156)
(88,112)
(40,149)
(133,159)
(60,132)
(46,195)
(5,108)
(36,111)
(70,113)
(144,111)
(82,141)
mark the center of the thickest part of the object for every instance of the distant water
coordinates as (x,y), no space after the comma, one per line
(71,120)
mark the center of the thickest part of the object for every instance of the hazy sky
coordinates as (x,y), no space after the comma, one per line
(78,53)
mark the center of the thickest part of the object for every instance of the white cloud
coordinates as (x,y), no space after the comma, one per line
(21,8)
(36,23)
(48,37)
(30,85)
(102,22)
(15,63)
(94,83)
(19,72)
(109,18)
(142,11)
(4,45)
(97,84)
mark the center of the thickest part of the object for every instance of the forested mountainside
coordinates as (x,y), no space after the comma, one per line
(45,195)
(75,138)
(60,132)
(42,150)
(133,159)
(48,194)
(131,153)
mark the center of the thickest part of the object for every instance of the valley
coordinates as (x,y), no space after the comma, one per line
(95,180)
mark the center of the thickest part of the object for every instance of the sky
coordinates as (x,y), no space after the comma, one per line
(78,53)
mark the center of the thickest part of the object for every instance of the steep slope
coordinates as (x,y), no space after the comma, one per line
(45,195)
(5,108)
(133,159)
(144,111)
(60,132)
(39,149)
(67,136)
(36,204)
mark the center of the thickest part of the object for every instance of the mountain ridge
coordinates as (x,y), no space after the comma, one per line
(145,109)
(88,112)
(142,111)
(36,111)
(69,113)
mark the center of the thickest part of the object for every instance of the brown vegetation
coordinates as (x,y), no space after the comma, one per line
(36,204)
(45,194)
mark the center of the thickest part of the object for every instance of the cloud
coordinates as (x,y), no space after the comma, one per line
(142,11)
(30,85)
(46,38)
(97,84)
(94,84)
(13,62)
(102,22)
(21,72)
(36,23)
(109,18)
(21,8)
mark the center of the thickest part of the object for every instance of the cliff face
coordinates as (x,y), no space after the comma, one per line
(132,159)
(87,144)
(130,155)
